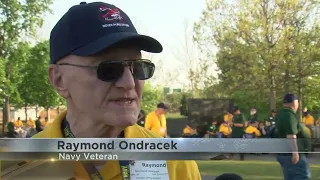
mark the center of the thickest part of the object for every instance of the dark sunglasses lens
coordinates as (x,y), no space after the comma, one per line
(110,71)
(142,70)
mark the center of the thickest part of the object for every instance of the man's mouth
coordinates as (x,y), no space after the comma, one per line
(124,100)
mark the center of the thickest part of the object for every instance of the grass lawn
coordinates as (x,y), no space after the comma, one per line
(249,170)
(174,115)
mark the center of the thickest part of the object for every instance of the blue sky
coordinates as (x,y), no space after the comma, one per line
(164,20)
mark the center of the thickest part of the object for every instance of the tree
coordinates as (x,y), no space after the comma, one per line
(20,92)
(197,67)
(36,85)
(258,44)
(151,97)
(184,104)
(173,100)
(19,20)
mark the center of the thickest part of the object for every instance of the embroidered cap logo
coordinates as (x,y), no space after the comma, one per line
(108,14)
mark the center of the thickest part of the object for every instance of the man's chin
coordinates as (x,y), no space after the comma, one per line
(124,121)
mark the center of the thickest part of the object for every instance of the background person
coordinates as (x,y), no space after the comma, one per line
(294,165)
(30,123)
(238,125)
(38,124)
(156,120)
(308,119)
(212,130)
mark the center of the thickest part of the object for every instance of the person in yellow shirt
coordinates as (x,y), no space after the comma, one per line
(100,73)
(187,131)
(156,120)
(252,130)
(225,129)
(18,123)
(30,123)
(228,117)
(308,119)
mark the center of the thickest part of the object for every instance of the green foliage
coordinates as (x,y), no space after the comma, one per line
(265,49)
(17,61)
(151,97)
(184,104)
(173,101)
(19,21)
(37,69)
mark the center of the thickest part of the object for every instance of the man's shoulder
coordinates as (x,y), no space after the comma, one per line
(285,113)
(150,114)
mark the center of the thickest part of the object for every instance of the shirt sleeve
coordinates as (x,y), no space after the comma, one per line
(242,119)
(257,132)
(164,122)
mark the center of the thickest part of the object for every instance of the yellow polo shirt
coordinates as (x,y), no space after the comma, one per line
(18,123)
(31,123)
(308,120)
(225,130)
(227,117)
(187,130)
(156,124)
(252,129)
(178,170)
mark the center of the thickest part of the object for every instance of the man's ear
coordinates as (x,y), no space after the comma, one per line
(56,80)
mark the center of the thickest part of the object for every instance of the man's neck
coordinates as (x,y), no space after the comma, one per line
(158,113)
(82,126)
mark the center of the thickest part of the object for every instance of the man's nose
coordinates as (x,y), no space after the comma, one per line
(126,81)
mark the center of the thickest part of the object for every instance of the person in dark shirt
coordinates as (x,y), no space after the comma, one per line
(272,118)
(201,132)
(288,125)
(262,129)
(11,132)
(238,124)
(253,115)
(212,129)
(38,124)
(141,118)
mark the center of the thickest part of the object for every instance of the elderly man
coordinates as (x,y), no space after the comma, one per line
(294,165)
(96,66)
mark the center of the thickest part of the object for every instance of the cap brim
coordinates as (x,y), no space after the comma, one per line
(143,42)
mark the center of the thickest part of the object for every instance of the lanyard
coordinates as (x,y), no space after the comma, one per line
(92,171)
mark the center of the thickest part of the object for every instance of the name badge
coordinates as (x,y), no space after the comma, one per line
(162,129)
(148,170)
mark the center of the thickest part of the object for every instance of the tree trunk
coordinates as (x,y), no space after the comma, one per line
(5,113)
(36,111)
(300,89)
(48,113)
(26,111)
(286,82)
(272,96)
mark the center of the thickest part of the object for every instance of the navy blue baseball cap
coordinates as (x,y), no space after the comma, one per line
(289,98)
(89,28)
(162,105)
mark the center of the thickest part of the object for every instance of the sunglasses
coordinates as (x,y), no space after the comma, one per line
(110,71)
